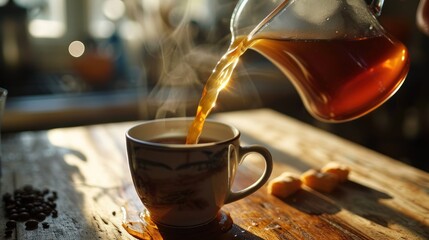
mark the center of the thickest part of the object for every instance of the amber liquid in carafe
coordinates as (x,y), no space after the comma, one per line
(342,79)
(337,79)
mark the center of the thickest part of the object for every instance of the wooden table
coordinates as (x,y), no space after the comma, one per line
(86,166)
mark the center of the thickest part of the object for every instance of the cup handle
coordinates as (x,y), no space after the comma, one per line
(244,151)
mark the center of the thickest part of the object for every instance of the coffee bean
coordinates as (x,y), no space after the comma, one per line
(17,192)
(40,217)
(52,205)
(45,191)
(11,224)
(54,214)
(47,211)
(13,216)
(23,216)
(28,199)
(38,192)
(11,211)
(38,209)
(22,209)
(10,206)
(45,225)
(31,224)
(27,188)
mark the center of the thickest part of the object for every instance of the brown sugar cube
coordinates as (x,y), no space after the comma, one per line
(340,170)
(284,185)
(320,181)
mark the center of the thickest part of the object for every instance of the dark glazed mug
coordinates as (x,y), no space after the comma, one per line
(186,185)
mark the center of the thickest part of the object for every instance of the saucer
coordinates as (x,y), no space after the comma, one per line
(144,228)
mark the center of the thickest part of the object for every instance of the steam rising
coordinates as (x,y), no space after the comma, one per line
(187,57)
(184,71)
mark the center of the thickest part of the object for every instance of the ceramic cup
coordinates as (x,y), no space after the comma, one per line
(186,185)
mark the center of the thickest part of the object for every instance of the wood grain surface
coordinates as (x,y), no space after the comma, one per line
(87,166)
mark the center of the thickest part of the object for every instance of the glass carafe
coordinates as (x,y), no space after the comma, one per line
(338,57)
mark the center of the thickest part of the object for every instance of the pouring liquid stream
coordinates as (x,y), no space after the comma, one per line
(221,75)
(216,82)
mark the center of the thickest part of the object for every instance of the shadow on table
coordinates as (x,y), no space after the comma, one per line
(358,199)
(361,200)
(368,203)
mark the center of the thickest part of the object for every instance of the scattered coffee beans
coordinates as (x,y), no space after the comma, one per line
(29,205)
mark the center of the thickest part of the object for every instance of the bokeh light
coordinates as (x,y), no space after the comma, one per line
(113,9)
(76,48)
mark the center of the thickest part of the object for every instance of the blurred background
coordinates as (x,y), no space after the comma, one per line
(75,62)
